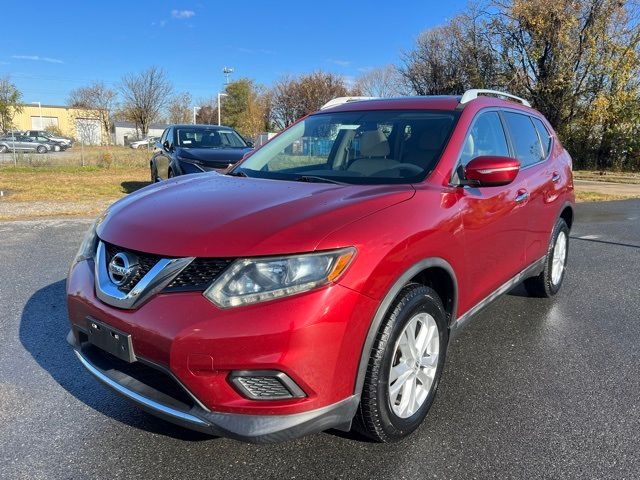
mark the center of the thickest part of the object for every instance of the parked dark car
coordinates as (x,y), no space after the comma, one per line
(185,149)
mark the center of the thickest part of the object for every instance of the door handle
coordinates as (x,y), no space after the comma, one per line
(522,196)
(555,178)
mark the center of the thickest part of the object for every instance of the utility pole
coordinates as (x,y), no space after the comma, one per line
(226,72)
(220,95)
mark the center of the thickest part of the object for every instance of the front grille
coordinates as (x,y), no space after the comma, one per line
(196,277)
(264,387)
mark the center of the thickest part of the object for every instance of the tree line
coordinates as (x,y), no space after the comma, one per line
(577,61)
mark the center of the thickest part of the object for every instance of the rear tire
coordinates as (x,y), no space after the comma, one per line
(402,378)
(41,149)
(4,149)
(550,280)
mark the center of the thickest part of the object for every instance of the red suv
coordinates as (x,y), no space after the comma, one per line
(318,282)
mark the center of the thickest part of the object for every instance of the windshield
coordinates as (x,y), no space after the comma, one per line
(189,137)
(356,147)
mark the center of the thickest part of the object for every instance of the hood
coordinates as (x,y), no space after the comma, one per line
(213,157)
(211,215)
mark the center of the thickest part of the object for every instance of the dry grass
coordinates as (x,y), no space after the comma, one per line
(614,177)
(583,196)
(56,184)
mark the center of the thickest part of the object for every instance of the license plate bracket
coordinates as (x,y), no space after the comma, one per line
(111,340)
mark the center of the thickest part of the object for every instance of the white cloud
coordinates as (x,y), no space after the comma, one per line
(182,14)
(342,63)
(37,58)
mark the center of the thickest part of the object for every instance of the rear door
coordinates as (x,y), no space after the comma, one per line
(532,154)
(494,227)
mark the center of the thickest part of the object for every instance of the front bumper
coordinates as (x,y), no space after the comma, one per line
(248,428)
(315,338)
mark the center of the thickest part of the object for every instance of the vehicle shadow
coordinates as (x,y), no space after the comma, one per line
(43,331)
(132,186)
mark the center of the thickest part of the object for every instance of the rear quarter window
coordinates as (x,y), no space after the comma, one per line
(543,133)
(524,138)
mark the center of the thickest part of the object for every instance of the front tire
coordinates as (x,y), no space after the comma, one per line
(154,174)
(550,280)
(406,362)
(41,149)
(4,149)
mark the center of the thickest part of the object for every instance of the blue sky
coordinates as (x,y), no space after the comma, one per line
(74,42)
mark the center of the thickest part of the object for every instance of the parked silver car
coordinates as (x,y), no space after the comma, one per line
(43,133)
(23,144)
(144,143)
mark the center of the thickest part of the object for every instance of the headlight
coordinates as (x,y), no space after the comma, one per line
(89,243)
(261,279)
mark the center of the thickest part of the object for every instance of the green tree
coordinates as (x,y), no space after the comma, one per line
(245,107)
(10,98)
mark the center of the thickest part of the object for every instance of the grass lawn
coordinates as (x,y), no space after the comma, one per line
(614,177)
(56,184)
(70,183)
(585,196)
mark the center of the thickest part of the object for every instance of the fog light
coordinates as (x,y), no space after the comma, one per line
(265,385)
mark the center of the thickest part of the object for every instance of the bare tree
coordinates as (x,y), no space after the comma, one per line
(97,101)
(385,82)
(292,98)
(145,95)
(179,109)
(10,98)
(207,112)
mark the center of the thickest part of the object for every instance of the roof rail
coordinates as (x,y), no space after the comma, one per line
(476,92)
(341,100)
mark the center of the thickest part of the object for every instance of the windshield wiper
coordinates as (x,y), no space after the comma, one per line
(314,179)
(238,173)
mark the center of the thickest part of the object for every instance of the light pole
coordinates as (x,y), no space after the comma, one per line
(40,108)
(220,94)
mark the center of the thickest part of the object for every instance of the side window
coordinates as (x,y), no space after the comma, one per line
(543,133)
(524,138)
(485,138)
(170,137)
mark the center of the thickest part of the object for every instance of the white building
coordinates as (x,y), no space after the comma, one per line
(126,132)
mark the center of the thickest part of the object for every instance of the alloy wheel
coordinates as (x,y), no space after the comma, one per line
(414,365)
(559,258)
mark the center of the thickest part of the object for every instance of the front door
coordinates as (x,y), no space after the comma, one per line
(492,218)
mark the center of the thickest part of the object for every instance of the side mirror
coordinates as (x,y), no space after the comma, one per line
(491,171)
(249,143)
(166,145)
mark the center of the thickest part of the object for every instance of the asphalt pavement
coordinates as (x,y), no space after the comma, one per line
(533,388)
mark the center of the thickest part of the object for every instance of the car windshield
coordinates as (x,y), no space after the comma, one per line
(371,147)
(208,138)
